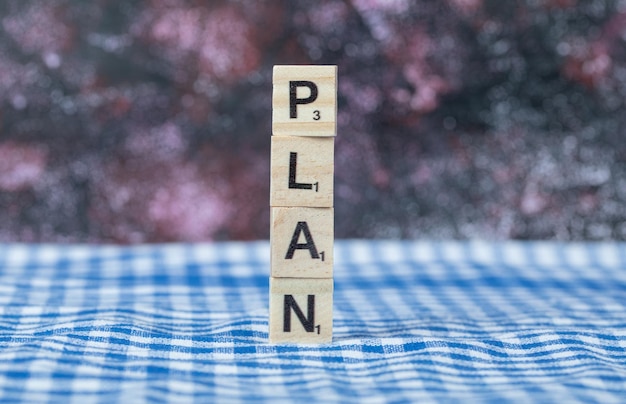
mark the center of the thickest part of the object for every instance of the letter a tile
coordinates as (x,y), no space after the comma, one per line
(302,170)
(301,310)
(301,242)
(304,100)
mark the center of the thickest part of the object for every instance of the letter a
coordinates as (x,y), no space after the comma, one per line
(302,227)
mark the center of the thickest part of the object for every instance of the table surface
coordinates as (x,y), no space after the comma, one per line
(413,321)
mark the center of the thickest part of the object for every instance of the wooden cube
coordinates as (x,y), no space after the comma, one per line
(301,242)
(304,101)
(301,310)
(302,170)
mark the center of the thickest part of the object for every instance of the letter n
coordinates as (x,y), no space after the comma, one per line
(307,322)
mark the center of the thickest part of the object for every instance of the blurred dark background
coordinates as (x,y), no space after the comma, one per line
(149,121)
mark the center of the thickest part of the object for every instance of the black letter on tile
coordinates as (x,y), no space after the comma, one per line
(302,227)
(293,98)
(293,162)
(308,322)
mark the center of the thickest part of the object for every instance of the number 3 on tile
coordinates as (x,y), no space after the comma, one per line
(316,115)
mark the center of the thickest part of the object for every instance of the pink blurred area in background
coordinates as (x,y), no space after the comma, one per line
(149,120)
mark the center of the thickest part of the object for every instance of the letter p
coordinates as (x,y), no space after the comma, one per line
(293,96)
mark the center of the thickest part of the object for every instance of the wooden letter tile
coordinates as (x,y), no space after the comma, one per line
(301,241)
(301,310)
(302,170)
(304,100)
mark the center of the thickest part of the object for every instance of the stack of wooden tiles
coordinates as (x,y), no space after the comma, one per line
(304,115)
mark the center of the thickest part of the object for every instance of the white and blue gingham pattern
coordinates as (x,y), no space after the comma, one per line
(413,322)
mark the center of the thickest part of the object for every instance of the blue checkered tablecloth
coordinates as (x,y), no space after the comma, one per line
(413,322)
